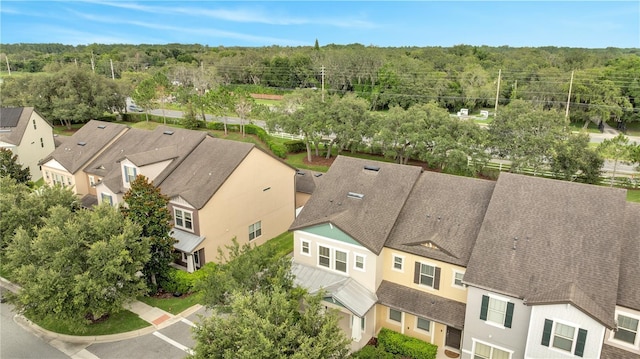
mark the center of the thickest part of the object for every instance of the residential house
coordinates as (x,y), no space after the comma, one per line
(65,165)
(27,135)
(482,269)
(218,189)
(306,182)
(529,289)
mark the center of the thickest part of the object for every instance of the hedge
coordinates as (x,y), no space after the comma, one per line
(396,343)
(295,146)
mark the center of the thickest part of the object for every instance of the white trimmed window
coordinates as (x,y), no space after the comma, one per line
(358,262)
(627,330)
(398,263)
(564,336)
(129,174)
(457,279)
(183,219)
(423,324)
(395,315)
(105,197)
(255,230)
(324,256)
(497,311)
(305,247)
(341,261)
(484,351)
(92,181)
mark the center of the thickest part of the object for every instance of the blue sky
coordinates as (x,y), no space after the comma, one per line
(590,24)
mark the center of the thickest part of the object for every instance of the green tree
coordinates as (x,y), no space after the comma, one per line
(79,267)
(400,132)
(144,94)
(349,122)
(617,149)
(147,207)
(9,167)
(22,207)
(219,102)
(573,160)
(279,326)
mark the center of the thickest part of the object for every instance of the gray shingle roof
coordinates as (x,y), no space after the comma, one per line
(306,180)
(445,210)
(202,173)
(422,304)
(141,144)
(95,135)
(369,219)
(629,281)
(567,247)
(13,123)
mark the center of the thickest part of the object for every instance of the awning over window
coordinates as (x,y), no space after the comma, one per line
(349,293)
(186,242)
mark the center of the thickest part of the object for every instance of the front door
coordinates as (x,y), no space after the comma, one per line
(453,338)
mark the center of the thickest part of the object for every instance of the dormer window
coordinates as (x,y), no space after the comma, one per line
(129,174)
(183,219)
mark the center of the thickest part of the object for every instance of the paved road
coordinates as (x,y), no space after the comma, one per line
(173,342)
(18,343)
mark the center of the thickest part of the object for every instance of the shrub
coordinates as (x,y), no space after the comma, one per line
(372,352)
(400,344)
(295,146)
(178,281)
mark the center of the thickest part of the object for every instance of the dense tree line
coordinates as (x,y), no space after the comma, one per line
(605,85)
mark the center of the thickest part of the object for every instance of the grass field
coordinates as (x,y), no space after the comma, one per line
(633,195)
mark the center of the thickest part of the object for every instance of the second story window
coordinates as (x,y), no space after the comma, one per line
(427,275)
(183,219)
(497,311)
(627,329)
(564,337)
(129,174)
(255,230)
(105,197)
(398,263)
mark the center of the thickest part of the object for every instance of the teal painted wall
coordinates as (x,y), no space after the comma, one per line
(326,230)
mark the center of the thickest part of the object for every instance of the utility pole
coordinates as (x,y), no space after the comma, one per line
(93,65)
(113,76)
(495,111)
(8,67)
(566,114)
(322,89)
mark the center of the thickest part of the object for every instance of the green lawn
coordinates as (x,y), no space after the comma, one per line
(283,244)
(297,160)
(172,305)
(633,195)
(122,322)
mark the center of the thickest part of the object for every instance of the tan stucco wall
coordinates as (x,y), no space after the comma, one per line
(301,199)
(436,335)
(260,189)
(31,150)
(405,278)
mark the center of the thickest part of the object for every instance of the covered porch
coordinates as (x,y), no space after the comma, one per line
(186,244)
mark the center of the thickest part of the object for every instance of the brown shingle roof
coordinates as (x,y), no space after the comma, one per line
(422,304)
(629,281)
(611,352)
(94,136)
(142,143)
(13,122)
(306,180)
(446,211)
(369,219)
(202,173)
(568,234)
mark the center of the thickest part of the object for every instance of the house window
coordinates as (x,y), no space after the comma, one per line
(106,198)
(395,315)
(341,261)
(69,181)
(497,311)
(423,324)
(627,329)
(46,174)
(183,219)
(358,261)
(427,275)
(564,337)
(34,125)
(129,174)
(457,279)
(255,230)
(362,322)
(483,351)
(196,258)
(398,263)
(184,257)
(324,256)
(92,181)
(305,248)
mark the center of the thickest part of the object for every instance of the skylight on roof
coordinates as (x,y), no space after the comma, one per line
(372,168)
(82,143)
(318,174)
(355,195)
(102,127)
(168,132)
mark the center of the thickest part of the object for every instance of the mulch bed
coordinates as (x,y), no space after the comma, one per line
(166,295)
